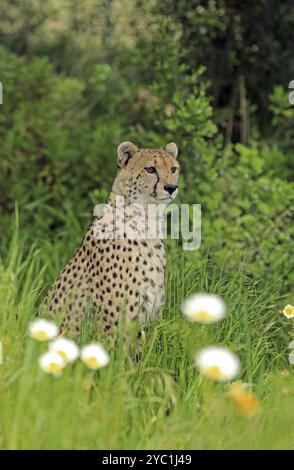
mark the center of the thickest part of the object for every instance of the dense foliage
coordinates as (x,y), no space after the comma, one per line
(212,76)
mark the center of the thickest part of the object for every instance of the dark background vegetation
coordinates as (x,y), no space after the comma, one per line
(81,76)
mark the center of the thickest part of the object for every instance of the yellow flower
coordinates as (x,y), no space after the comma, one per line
(94,356)
(66,348)
(52,363)
(245,402)
(288,311)
(42,330)
(217,363)
(204,308)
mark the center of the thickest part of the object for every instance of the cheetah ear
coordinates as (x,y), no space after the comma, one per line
(125,152)
(172,149)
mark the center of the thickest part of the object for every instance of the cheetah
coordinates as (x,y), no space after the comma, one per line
(116,269)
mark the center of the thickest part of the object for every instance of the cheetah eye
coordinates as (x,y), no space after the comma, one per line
(174,169)
(150,169)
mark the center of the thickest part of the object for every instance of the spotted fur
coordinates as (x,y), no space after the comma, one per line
(111,276)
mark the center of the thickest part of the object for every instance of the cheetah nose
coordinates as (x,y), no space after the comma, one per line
(170,188)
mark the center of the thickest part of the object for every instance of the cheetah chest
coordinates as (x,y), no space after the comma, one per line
(130,276)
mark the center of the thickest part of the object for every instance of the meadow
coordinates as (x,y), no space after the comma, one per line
(159,401)
(78,78)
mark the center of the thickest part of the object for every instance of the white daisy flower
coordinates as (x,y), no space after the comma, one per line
(94,356)
(204,308)
(52,363)
(66,348)
(42,330)
(291,358)
(218,363)
(288,311)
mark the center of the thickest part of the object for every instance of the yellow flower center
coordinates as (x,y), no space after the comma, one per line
(289,310)
(214,373)
(41,336)
(92,362)
(63,355)
(54,368)
(202,316)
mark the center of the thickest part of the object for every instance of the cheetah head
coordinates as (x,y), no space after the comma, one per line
(147,175)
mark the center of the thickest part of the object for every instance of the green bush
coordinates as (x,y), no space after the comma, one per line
(59,135)
(51,151)
(245,193)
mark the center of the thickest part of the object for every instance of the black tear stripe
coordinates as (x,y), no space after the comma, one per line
(155,186)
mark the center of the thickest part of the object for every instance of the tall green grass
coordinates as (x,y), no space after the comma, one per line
(159,401)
